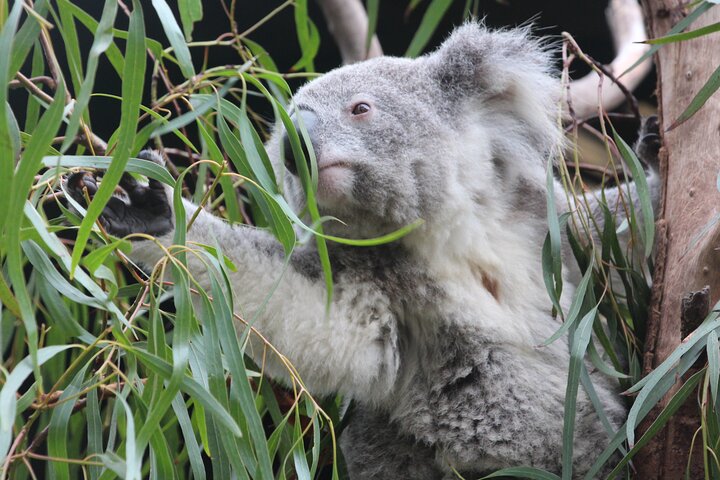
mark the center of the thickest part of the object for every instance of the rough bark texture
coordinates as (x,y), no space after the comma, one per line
(688,252)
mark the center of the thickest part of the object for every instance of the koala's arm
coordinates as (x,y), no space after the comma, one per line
(350,347)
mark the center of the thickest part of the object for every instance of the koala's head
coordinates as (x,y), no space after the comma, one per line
(400,139)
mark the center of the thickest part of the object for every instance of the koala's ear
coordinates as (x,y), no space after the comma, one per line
(475,59)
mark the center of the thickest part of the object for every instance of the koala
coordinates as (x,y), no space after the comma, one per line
(435,337)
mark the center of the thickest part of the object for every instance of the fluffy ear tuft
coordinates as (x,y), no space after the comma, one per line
(475,59)
(506,70)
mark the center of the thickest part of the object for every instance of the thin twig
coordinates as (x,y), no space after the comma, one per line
(32,88)
(193,157)
(16,443)
(92,141)
(602,70)
(44,79)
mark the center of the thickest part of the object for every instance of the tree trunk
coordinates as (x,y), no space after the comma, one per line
(688,252)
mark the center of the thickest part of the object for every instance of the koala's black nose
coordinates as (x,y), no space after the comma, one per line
(308,120)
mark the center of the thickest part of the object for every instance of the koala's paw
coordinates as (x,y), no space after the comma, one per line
(134,208)
(648,144)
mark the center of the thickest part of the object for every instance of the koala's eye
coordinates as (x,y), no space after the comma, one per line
(360,108)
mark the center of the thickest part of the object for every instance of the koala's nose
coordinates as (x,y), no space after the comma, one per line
(308,120)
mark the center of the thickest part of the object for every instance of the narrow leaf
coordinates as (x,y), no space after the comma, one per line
(102,39)
(577,355)
(523,472)
(13,382)
(175,36)
(435,12)
(707,90)
(679,37)
(643,192)
(679,27)
(713,353)
(132,90)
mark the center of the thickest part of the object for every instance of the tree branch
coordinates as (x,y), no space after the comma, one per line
(625,19)
(348,24)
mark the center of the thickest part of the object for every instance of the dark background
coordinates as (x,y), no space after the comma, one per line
(584,20)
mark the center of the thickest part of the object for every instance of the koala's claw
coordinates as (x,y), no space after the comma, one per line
(79,181)
(648,144)
(144,208)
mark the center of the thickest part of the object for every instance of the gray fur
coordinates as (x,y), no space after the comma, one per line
(435,337)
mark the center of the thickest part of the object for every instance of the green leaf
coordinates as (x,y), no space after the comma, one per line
(113,53)
(57,439)
(679,37)
(269,203)
(94,430)
(551,250)
(596,402)
(435,12)
(229,192)
(302,470)
(713,353)
(97,257)
(135,165)
(13,382)
(523,472)
(581,338)
(191,11)
(225,450)
(25,37)
(673,405)
(197,391)
(601,365)
(577,302)
(707,90)
(189,117)
(103,37)
(133,461)
(61,253)
(643,193)
(175,36)
(372,13)
(308,37)
(236,365)
(7,147)
(59,312)
(664,374)
(181,333)
(132,90)
(13,218)
(679,27)
(190,443)
(71,43)
(42,264)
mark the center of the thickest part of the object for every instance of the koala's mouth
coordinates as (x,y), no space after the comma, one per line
(335,181)
(336,164)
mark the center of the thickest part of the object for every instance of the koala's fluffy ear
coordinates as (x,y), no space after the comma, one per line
(475,59)
(507,70)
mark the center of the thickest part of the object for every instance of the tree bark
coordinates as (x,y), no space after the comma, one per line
(688,252)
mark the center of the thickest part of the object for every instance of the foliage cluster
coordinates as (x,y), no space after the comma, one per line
(108,372)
